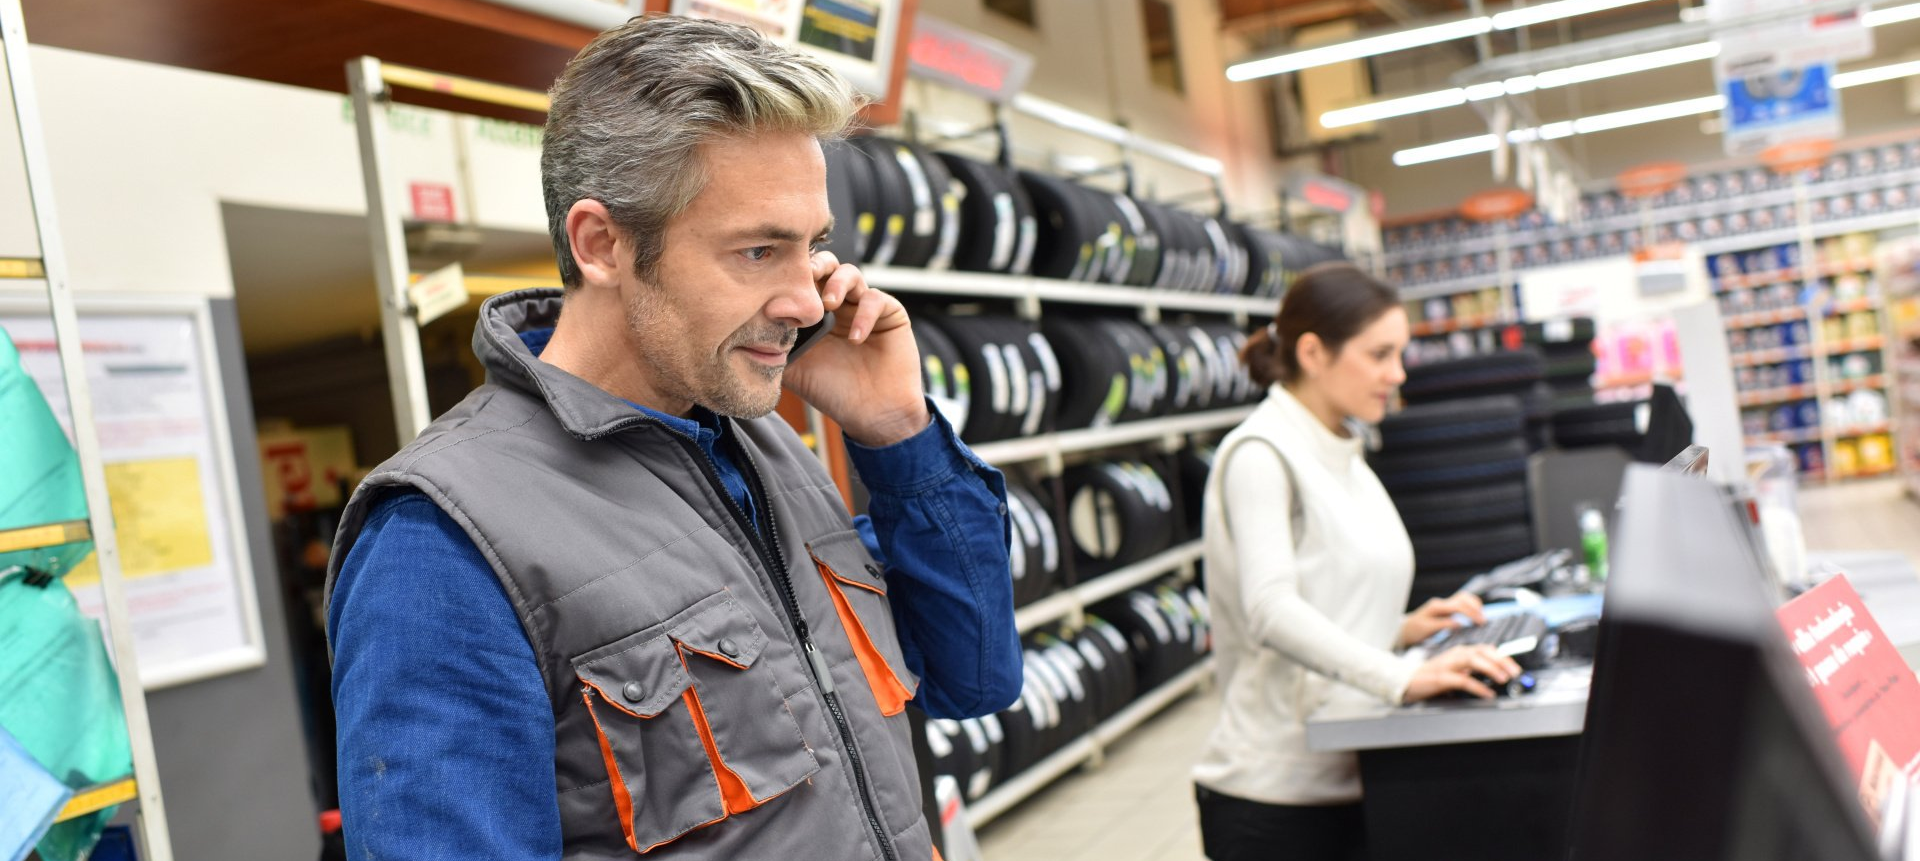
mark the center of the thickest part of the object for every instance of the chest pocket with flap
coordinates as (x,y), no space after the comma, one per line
(690,732)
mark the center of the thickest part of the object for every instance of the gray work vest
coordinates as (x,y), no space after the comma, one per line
(689,719)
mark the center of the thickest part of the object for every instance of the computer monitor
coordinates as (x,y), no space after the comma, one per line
(1702,739)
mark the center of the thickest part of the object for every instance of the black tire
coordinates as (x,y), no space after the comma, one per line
(1492,373)
(1452,423)
(1618,423)
(891,201)
(1441,511)
(1063,247)
(1480,548)
(947,378)
(904,176)
(989,219)
(1094,373)
(845,242)
(1466,467)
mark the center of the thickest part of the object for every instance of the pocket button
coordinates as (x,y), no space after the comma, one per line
(729,648)
(874,570)
(634,692)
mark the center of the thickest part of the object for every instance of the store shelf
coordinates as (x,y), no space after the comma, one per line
(1780,395)
(1090,439)
(979,285)
(1769,357)
(1869,344)
(1002,798)
(1754,281)
(1877,381)
(98,797)
(1427,328)
(1852,305)
(1790,437)
(1419,292)
(1063,604)
(1851,431)
(1764,318)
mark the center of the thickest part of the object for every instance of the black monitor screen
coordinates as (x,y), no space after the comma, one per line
(1702,740)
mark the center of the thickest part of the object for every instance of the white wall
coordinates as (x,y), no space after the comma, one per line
(143,156)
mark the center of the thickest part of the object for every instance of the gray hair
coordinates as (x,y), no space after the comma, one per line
(632,109)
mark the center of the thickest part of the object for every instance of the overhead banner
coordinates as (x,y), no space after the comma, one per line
(858,38)
(1768,104)
(967,61)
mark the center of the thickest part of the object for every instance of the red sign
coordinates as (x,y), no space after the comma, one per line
(1867,691)
(432,201)
(1649,180)
(1496,204)
(967,61)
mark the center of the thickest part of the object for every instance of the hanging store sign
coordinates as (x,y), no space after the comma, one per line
(967,61)
(858,38)
(1769,104)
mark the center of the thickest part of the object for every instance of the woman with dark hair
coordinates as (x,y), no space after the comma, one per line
(1308,570)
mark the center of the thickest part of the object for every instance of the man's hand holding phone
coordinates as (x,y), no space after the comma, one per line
(863,371)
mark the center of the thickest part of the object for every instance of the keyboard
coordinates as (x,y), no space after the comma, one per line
(1517,635)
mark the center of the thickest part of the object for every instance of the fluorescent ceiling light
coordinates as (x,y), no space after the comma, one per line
(1448,149)
(1527,16)
(1893,15)
(1516,86)
(1648,114)
(1393,108)
(1876,75)
(1523,84)
(1340,52)
(1629,117)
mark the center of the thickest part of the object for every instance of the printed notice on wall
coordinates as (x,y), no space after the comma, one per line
(168,480)
(1867,691)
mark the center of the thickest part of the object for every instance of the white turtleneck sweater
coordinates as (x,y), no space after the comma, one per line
(1298,619)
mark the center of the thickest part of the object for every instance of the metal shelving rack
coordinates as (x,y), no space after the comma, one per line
(50,268)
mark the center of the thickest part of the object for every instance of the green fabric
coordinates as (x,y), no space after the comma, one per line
(39,474)
(60,698)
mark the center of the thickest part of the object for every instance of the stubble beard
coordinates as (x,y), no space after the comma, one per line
(712,381)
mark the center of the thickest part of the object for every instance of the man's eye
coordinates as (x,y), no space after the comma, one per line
(758,253)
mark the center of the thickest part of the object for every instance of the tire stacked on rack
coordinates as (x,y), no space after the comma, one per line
(1457,472)
(905,202)
(1037,553)
(997,224)
(1521,373)
(1002,378)
(1566,346)
(1276,259)
(1118,513)
(1074,681)
(1651,431)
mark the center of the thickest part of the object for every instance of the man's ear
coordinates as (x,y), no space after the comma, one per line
(596,243)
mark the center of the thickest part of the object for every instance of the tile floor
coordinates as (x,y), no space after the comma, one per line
(1138,805)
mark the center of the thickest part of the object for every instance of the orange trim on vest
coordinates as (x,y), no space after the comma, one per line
(622,800)
(733,790)
(888,691)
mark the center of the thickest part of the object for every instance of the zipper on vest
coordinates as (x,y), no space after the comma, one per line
(766,542)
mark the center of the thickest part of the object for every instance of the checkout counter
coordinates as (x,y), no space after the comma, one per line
(1494,780)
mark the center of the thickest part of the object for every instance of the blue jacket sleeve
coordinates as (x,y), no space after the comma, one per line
(939,526)
(428,658)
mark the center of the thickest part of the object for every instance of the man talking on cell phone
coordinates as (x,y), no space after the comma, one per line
(608,605)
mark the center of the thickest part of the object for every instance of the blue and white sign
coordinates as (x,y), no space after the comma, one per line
(1768,104)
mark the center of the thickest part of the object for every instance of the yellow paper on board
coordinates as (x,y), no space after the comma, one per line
(159,519)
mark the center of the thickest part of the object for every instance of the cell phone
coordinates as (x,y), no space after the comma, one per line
(810,335)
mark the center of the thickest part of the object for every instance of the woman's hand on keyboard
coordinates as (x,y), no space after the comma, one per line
(1456,669)
(1438,615)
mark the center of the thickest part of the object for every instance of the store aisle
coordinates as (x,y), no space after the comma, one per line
(1138,806)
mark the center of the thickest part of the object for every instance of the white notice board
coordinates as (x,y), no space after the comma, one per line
(160,412)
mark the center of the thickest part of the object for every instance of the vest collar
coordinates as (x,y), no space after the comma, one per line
(583,409)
